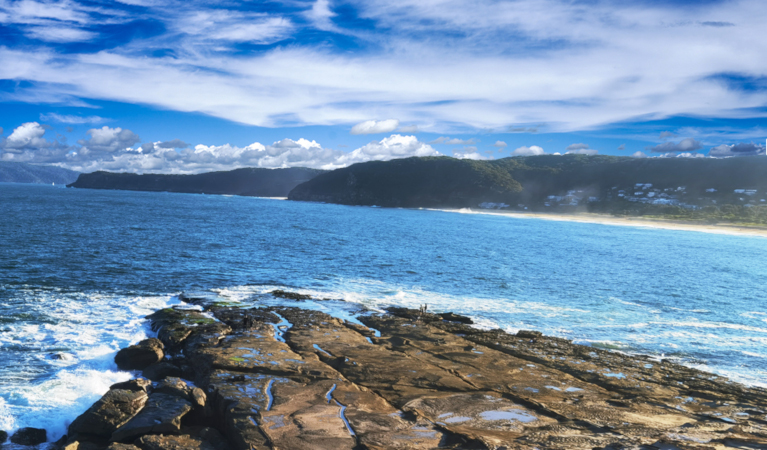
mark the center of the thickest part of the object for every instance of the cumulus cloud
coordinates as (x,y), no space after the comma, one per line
(374,127)
(500,144)
(740,149)
(394,146)
(528,151)
(453,141)
(639,154)
(106,139)
(577,146)
(25,137)
(685,145)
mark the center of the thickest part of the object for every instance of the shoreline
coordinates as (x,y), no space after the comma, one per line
(604,219)
(272,377)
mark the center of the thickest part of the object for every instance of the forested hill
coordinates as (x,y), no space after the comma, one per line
(545,183)
(249,181)
(412,182)
(14,172)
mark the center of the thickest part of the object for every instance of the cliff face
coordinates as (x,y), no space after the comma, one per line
(411,182)
(12,172)
(248,181)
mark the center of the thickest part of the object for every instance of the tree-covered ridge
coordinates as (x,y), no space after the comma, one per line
(730,189)
(248,181)
(411,182)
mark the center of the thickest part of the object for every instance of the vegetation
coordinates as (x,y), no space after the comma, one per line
(250,181)
(698,189)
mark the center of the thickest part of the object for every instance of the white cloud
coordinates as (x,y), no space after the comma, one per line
(26,136)
(500,144)
(639,154)
(469,153)
(528,151)
(394,146)
(409,129)
(740,149)
(70,119)
(374,127)
(453,141)
(580,149)
(60,34)
(622,147)
(106,139)
(685,145)
(610,62)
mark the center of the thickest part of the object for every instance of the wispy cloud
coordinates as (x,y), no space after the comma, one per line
(70,119)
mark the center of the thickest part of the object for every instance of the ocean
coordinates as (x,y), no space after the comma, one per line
(79,269)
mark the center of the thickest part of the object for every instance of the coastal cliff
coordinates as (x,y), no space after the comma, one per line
(255,182)
(293,378)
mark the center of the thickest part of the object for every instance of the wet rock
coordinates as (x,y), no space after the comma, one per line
(29,436)
(141,355)
(137,384)
(161,442)
(174,325)
(119,446)
(113,410)
(161,414)
(173,386)
(3,436)
(290,295)
(244,319)
(84,445)
(528,334)
(451,317)
(160,370)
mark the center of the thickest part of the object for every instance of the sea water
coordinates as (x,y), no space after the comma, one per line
(79,269)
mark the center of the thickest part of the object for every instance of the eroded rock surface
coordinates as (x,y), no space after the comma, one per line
(289,378)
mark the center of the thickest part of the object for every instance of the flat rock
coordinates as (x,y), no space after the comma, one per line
(173,386)
(119,446)
(162,442)
(161,414)
(29,436)
(110,412)
(141,355)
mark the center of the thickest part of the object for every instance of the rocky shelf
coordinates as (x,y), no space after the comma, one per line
(290,378)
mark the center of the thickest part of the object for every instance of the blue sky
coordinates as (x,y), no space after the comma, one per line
(172,86)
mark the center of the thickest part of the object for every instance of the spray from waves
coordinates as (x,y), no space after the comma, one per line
(59,354)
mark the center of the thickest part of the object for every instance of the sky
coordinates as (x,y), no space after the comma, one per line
(193,86)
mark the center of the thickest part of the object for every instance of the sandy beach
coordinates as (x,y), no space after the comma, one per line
(604,219)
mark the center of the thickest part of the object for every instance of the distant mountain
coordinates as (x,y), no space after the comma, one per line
(567,183)
(249,181)
(13,172)
(411,182)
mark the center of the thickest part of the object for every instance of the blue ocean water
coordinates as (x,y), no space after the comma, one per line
(80,268)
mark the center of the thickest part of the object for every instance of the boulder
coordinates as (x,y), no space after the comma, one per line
(3,436)
(141,355)
(137,384)
(279,293)
(173,386)
(29,436)
(161,442)
(528,334)
(160,370)
(452,317)
(161,414)
(113,410)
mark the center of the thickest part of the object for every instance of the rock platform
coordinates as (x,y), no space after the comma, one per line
(290,378)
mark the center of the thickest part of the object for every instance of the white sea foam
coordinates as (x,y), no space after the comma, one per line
(85,332)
